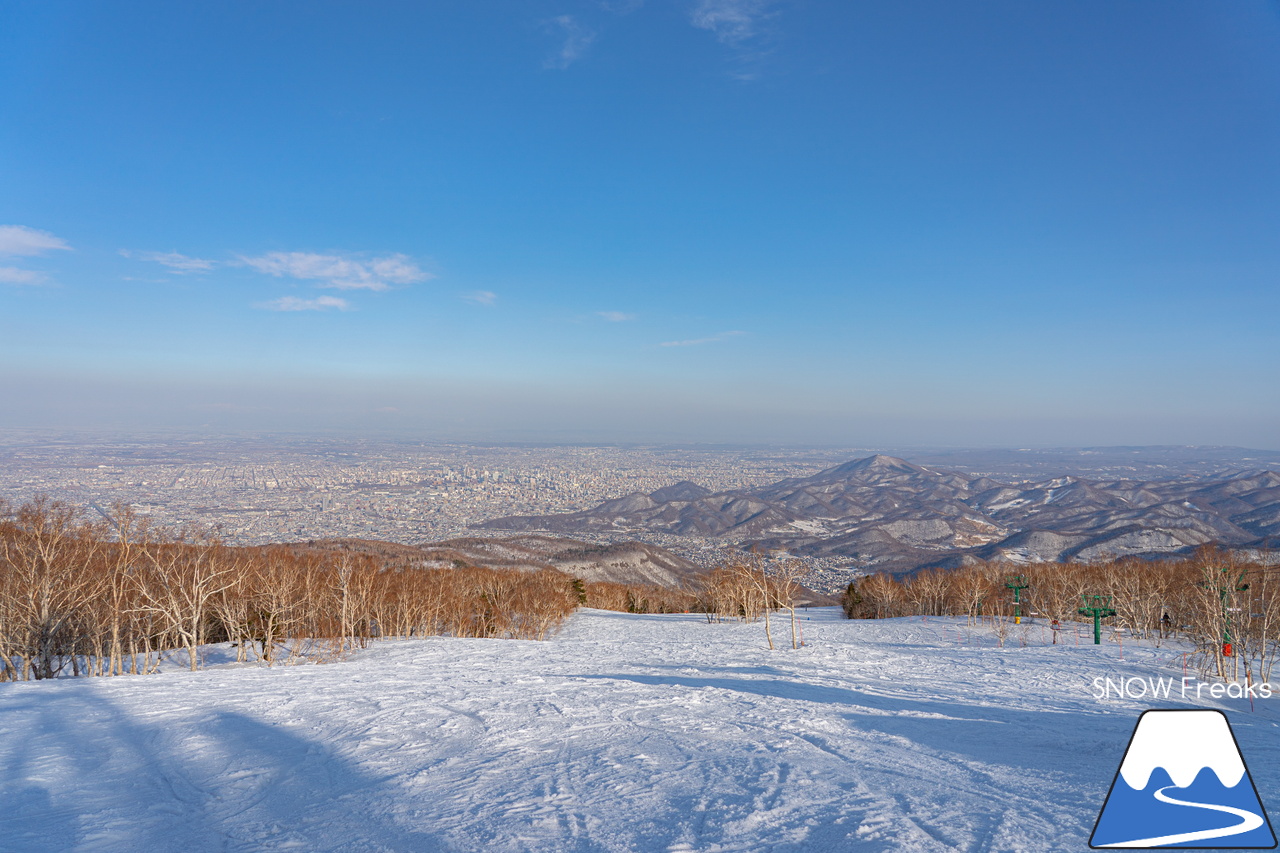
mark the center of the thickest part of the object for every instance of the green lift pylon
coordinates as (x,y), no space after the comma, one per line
(1099,607)
(1017,583)
(1225,589)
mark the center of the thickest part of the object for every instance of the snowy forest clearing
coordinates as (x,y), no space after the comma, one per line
(624,732)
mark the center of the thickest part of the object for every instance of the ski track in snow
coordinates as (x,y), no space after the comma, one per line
(625,732)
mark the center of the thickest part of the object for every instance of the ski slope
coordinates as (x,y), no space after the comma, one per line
(625,732)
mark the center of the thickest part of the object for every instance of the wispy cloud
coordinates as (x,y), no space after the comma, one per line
(175,261)
(616,316)
(744,26)
(723,336)
(732,21)
(295,303)
(13,275)
(343,272)
(479,297)
(576,39)
(21,241)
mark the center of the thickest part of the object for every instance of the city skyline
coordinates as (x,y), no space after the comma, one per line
(748,221)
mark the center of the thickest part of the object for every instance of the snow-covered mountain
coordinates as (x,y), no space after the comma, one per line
(889,513)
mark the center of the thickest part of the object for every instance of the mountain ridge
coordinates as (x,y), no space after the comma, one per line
(884,512)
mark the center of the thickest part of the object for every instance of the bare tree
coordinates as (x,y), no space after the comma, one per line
(928,591)
(755,588)
(971,590)
(788,576)
(44,549)
(184,580)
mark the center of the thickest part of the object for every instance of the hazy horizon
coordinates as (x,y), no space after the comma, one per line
(336,437)
(715,221)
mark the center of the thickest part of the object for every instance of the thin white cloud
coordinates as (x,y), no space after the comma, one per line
(479,297)
(577,39)
(339,271)
(19,240)
(295,303)
(13,275)
(698,341)
(616,316)
(175,261)
(732,22)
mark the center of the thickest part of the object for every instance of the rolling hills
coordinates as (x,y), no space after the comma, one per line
(884,512)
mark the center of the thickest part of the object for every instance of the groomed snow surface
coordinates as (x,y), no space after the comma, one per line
(625,732)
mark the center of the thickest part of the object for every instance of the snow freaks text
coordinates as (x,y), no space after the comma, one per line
(1187,687)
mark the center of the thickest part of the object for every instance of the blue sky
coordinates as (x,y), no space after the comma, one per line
(932,223)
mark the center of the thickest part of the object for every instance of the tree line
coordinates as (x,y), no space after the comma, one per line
(1226,607)
(114,597)
(81,596)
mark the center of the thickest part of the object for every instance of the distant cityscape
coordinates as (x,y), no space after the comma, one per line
(256,491)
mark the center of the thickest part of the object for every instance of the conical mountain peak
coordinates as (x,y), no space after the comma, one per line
(877,463)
